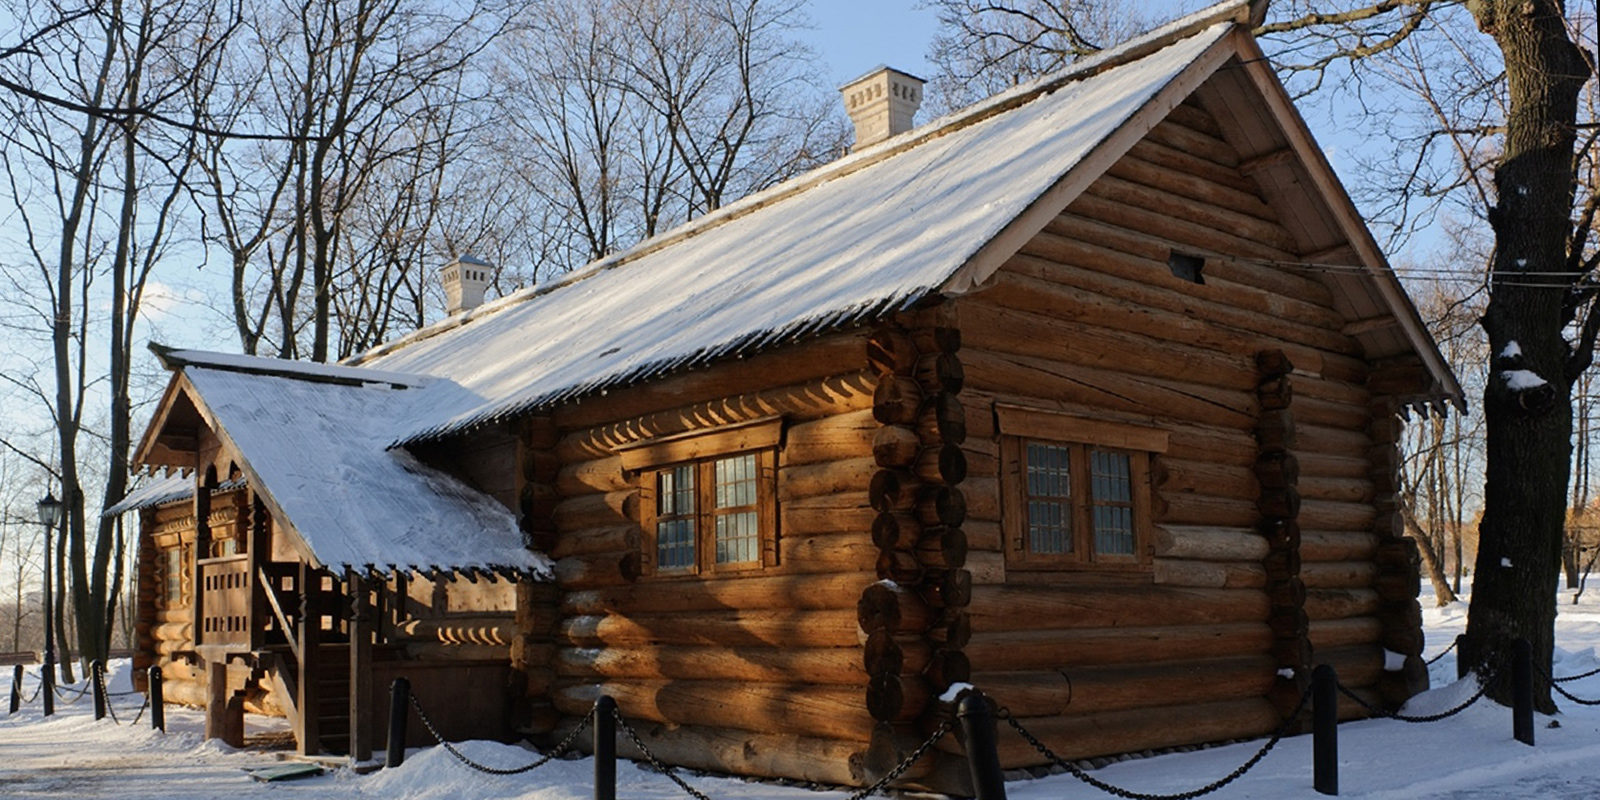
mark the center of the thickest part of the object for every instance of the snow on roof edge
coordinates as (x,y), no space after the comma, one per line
(175,359)
(163,490)
(747,345)
(1131,50)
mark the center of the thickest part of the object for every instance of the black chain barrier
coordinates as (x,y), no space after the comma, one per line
(899,769)
(1574,698)
(1590,674)
(1555,683)
(37,687)
(1080,774)
(1430,662)
(1484,685)
(112,709)
(62,695)
(138,716)
(559,750)
(655,763)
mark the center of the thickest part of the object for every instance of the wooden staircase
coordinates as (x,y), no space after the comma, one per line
(329,732)
(333,699)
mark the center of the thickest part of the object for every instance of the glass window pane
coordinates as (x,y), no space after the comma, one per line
(1113,530)
(675,492)
(1113,502)
(174,574)
(675,543)
(1049,527)
(1049,473)
(736,481)
(738,538)
(1049,482)
(1112,482)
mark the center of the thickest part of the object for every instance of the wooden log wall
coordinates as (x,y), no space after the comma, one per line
(533,645)
(1277,472)
(1087,319)
(1399,579)
(147,579)
(915,617)
(761,672)
(168,631)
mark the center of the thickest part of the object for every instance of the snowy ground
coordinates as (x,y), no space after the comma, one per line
(1469,756)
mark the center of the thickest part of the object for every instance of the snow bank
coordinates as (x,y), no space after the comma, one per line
(1472,755)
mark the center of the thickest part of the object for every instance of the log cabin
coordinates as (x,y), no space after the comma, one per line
(1088,395)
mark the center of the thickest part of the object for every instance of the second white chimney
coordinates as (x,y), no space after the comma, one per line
(881,104)
(465,280)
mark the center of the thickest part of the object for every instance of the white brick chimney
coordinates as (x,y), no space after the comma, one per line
(465,280)
(881,104)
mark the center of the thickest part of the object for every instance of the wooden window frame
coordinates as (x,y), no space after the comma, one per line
(167,600)
(1081,436)
(702,450)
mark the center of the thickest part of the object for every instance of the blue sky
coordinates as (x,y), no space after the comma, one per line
(852,36)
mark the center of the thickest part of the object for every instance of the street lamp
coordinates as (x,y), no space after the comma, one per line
(50,510)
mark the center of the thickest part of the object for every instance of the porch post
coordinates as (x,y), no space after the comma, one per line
(307,632)
(360,668)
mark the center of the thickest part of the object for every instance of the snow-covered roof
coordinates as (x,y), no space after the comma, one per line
(317,451)
(160,490)
(173,359)
(870,233)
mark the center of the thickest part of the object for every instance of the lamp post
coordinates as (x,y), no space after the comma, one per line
(49,516)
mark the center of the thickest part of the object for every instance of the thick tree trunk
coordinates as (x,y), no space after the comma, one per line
(1526,402)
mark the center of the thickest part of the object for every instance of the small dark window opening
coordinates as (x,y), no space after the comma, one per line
(1187,267)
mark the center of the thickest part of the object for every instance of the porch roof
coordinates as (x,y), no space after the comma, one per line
(315,451)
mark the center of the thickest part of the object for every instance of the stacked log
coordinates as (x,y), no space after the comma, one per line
(532,675)
(914,619)
(148,583)
(1278,473)
(531,648)
(166,624)
(536,477)
(1398,578)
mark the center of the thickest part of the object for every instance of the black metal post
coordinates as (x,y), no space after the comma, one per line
(16,688)
(1522,691)
(399,712)
(983,757)
(97,679)
(98,676)
(158,702)
(47,677)
(605,748)
(1325,729)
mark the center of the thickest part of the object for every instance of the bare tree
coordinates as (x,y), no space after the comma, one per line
(984,47)
(641,114)
(96,195)
(353,92)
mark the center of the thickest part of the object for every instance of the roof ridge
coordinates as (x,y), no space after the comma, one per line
(176,358)
(1132,50)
